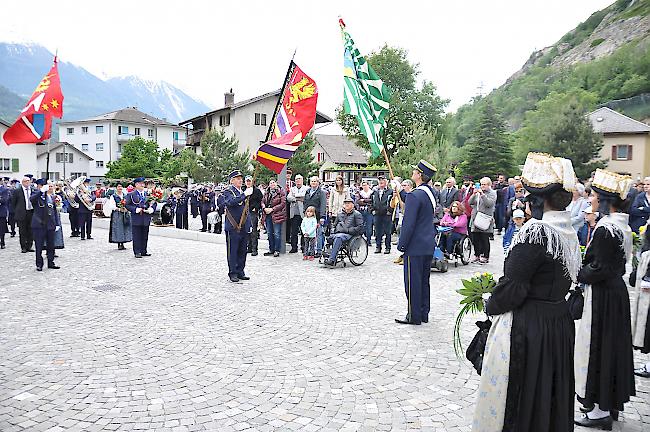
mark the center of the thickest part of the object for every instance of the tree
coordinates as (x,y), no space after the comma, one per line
(302,162)
(431,146)
(571,136)
(410,107)
(219,156)
(489,151)
(139,158)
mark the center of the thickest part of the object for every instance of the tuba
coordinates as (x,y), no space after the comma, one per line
(69,193)
(82,192)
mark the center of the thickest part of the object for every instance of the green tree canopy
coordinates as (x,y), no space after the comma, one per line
(410,107)
(219,156)
(489,151)
(139,158)
(431,146)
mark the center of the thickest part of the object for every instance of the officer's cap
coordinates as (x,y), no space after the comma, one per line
(138,180)
(425,168)
(235,173)
(87,180)
(29,175)
(41,181)
(5,178)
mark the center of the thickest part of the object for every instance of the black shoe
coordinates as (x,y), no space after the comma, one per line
(56,256)
(586,408)
(53,266)
(642,372)
(146,254)
(138,255)
(614,414)
(387,251)
(293,251)
(244,278)
(234,278)
(202,230)
(2,246)
(13,235)
(23,250)
(31,250)
(425,320)
(268,254)
(329,263)
(602,423)
(83,238)
(378,250)
(39,268)
(406,321)
(254,253)
(120,247)
(318,255)
(276,254)
(89,238)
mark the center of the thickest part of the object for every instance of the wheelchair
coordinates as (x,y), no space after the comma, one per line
(462,248)
(354,249)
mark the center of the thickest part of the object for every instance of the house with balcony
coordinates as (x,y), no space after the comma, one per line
(626,142)
(102,137)
(16,160)
(247,120)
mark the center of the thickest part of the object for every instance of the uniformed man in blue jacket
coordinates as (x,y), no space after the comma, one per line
(238,225)
(45,222)
(141,211)
(417,242)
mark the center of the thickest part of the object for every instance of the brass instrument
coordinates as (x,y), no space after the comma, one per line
(69,192)
(83,193)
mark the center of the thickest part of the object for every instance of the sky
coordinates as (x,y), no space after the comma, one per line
(207,47)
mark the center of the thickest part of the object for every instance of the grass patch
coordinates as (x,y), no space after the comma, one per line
(596,42)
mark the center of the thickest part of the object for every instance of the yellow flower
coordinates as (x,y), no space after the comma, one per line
(642,230)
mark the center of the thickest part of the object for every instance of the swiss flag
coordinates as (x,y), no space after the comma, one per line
(35,121)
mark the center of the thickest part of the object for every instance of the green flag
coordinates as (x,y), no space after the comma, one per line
(365,96)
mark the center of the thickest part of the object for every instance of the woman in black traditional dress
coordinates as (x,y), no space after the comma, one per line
(120,228)
(640,279)
(527,376)
(603,351)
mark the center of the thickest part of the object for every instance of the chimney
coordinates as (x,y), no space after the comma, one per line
(229,98)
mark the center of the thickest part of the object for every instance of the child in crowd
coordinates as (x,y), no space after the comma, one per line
(308,228)
(587,230)
(518,219)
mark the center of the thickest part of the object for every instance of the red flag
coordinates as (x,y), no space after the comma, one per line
(34,124)
(293,121)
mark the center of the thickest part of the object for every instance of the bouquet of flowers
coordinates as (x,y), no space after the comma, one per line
(121,205)
(472,302)
(156,195)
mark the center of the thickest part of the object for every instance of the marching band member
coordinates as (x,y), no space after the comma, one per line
(136,203)
(120,226)
(206,205)
(180,204)
(85,214)
(5,195)
(45,222)
(238,225)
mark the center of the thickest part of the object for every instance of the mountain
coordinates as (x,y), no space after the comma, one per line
(10,104)
(23,65)
(604,61)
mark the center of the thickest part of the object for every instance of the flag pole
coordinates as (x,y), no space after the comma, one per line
(390,169)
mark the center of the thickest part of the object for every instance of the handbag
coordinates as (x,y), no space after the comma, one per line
(476,348)
(576,302)
(482,221)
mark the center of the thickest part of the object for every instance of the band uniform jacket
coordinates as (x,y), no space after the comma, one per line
(134,201)
(417,236)
(232,201)
(45,215)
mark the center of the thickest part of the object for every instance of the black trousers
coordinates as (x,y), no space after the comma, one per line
(383,228)
(12,224)
(40,235)
(3,229)
(236,252)
(182,221)
(73,214)
(204,221)
(481,242)
(417,270)
(25,231)
(254,236)
(140,238)
(294,226)
(85,224)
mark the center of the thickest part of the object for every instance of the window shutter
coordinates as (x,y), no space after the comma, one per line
(629,152)
(70,158)
(613,152)
(15,165)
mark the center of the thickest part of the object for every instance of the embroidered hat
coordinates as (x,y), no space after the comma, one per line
(544,173)
(235,173)
(611,184)
(425,168)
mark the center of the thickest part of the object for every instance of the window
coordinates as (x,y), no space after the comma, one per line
(84,147)
(622,152)
(224,120)
(76,174)
(60,157)
(5,164)
(84,130)
(150,133)
(260,119)
(122,130)
(99,147)
(99,129)
(320,157)
(70,131)
(257,119)
(175,136)
(137,132)
(119,147)
(99,164)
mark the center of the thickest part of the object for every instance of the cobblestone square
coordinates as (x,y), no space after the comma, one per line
(167,343)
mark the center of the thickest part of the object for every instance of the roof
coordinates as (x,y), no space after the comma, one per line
(127,115)
(606,120)
(342,150)
(41,150)
(320,117)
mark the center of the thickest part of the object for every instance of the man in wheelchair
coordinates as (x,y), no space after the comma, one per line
(349,223)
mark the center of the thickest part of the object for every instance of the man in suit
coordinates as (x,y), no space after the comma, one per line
(23,211)
(5,198)
(237,226)
(382,214)
(254,210)
(449,194)
(45,222)
(141,211)
(417,242)
(85,214)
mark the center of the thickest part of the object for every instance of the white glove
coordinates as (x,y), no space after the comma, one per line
(149,210)
(138,210)
(57,228)
(396,184)
(45,188)
(248,191)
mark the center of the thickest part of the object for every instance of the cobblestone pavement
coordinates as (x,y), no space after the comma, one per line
(167,343)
